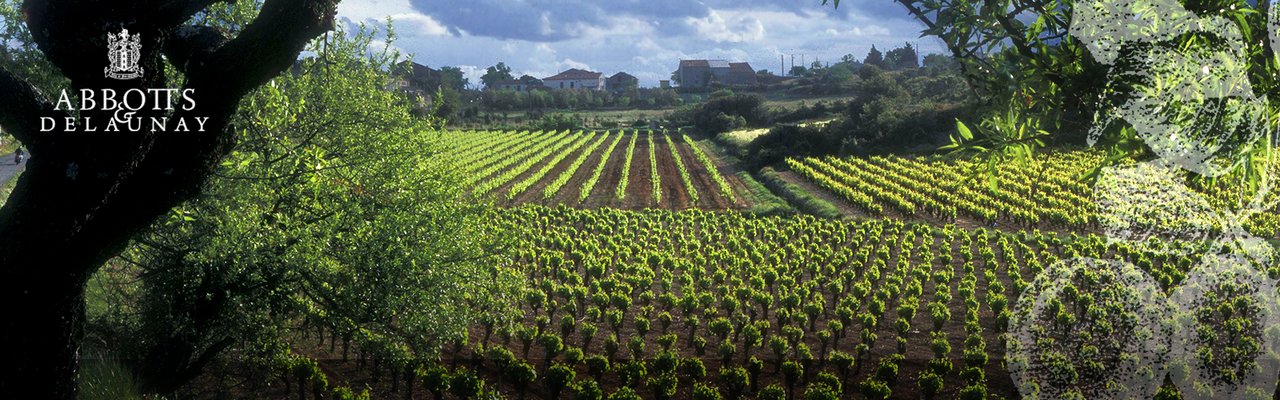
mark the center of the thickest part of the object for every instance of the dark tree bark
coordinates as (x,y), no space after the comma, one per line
(85,194)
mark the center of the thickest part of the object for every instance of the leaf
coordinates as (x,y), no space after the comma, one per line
(964,130)
(991,172)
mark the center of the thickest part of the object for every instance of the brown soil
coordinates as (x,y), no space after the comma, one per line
(639,188)
(709,196)
(729,172)
(674,195)
(604,192)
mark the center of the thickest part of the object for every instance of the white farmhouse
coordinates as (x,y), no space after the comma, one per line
(575,79)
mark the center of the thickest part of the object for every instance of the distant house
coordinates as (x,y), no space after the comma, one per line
(741,73)
(700,73)
(620,82)
(419,75)
(575,79)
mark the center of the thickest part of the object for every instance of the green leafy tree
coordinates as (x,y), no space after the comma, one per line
(495,73)
(874,58)
(453,78)
(74,226)
(321,224)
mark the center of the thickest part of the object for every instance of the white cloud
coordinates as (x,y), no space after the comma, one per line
(424,25)
(400,11)
(472,73)
(743,29)
(870,30)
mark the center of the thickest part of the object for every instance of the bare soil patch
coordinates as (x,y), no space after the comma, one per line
(605,191)
(674,195)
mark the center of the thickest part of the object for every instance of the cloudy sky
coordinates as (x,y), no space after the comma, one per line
(645,38)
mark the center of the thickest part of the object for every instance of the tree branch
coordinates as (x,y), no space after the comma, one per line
(21,106)
(267,47)
(188,45)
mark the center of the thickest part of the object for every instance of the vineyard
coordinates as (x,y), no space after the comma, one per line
(626,170)
(702,305)
(1046,194)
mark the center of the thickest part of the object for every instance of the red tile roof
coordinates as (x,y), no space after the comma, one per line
(741,67)
(574,73)
(694,63)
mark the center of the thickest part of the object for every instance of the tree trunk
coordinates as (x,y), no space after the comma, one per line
(346,345)
(395,380)
(85,194)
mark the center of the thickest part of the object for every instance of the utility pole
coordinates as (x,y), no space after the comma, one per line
(793,64)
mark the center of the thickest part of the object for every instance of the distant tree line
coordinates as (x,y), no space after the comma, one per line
(577,99)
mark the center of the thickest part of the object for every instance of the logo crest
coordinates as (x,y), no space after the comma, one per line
(124,50)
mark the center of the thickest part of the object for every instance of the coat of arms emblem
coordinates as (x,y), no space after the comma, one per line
(124,50)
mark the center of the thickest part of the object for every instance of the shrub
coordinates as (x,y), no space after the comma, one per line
(887,372)
(818,391)
(632,372)
(624,393)
(588,390)
(972,375)
(597,365)
(772,392)
(831,381)
(465,384)
(664,386)
(875,390)
(558,377)
(735,380)
(975,392)
(702,392)
(694,368)
(722,114)
(930,384)
(940,366)
(560,122)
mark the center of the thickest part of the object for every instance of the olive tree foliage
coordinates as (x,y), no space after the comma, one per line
(1040,82)
(84,194)
(337,211)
